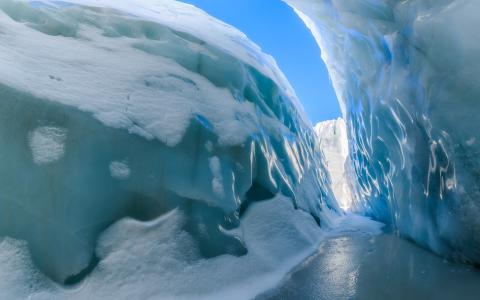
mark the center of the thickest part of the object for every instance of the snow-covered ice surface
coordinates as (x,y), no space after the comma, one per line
(159,260)
(137,138)
(406,74)
(333,141)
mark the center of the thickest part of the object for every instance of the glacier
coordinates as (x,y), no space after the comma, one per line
(333,142)
(150,130)
(405,73)
(151,151)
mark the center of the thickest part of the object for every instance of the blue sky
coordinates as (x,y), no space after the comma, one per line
(276,28)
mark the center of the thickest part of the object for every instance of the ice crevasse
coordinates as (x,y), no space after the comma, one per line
(406,75)
(149,130)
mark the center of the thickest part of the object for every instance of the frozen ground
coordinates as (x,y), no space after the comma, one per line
(357,265)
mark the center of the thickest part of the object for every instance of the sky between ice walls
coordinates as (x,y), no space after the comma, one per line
(406,76)
(278,30)
(148,137)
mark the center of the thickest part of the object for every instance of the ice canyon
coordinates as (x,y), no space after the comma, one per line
(151,151)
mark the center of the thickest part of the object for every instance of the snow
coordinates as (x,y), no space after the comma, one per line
(119,170)
(157,259)
(47,144)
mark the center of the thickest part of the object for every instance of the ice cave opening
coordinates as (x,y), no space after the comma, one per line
(152,151)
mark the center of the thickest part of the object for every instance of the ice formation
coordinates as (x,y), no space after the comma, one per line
(154,131)
(333,141)
(405,73)
(163,125)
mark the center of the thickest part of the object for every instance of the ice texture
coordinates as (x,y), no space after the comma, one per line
(161,125)
(406,75)
(333,142)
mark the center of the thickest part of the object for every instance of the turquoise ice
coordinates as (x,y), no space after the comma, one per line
(405,73)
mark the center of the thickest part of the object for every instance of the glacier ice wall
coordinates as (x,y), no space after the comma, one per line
(333,142)
(111,110)
(405,73)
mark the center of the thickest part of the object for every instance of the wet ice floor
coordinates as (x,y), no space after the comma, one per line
(360,266)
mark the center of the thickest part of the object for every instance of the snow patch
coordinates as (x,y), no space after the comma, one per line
(119,170)
(148,86)
(158,260)
(47,144)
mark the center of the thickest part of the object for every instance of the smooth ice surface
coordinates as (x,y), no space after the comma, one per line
(357,265)
(161,125)
(333,141)
(405,73)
